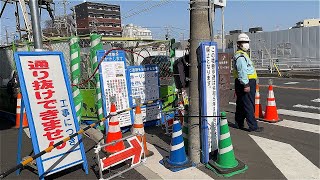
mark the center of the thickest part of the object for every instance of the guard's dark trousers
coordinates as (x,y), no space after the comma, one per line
(245,104)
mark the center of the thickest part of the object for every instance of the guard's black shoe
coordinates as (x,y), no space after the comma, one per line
(259,129)
(236,125)
(242,128)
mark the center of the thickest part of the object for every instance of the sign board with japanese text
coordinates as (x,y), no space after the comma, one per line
(224,78)
(47,95)
(209,97)
(144,84)
(113,78)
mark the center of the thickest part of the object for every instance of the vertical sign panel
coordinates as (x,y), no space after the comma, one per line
(114,83)
(209,97)
(51,114)
(144,84)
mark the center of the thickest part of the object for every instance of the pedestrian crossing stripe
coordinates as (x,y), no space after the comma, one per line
(299,114)
(287,159)
(306,106)
(297,125)
(291,83)
(313,128)
(294,113)
(316,100)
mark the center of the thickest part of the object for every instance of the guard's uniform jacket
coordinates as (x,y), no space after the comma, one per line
(243,68)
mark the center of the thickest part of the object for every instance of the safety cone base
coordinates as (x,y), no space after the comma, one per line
(227,172)
(174,167)
(269,121)
(149,153)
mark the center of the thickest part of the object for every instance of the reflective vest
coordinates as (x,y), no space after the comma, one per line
(246,56)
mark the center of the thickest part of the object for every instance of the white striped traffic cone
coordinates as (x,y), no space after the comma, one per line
(114,132)
(18,110)
(178,159)
(271,113)
(138,129)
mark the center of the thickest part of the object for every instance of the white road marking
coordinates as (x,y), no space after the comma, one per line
(287,159)
(299,114)
(27,131)
(312,80)
(297,125)
(268,77)
(296,113)
(147,173)
(233,103)
(153,164)
(306,106)
(291,83)
(316,100)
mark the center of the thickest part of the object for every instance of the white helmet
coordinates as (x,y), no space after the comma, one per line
(243,38)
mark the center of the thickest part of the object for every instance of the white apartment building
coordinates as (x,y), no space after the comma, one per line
(133,31)
(308,23)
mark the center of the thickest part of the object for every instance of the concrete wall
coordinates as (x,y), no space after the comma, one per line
(292,48)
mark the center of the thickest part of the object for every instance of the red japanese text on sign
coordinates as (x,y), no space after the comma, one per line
(44,92)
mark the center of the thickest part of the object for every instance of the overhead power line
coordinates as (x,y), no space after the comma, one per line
(138,6)
(161,3)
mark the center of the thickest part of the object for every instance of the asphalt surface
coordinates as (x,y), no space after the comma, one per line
(288,94)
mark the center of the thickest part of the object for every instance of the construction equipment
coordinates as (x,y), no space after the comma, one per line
(26,19)
(43,4)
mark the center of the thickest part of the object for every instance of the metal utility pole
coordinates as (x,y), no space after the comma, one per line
(65,16)
(223,46)
(74,20)
(211,19)
(18,19)
(199,31)
(167,33)
(7,36)
(36,28)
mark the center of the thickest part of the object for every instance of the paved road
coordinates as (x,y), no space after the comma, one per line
(294,142)
(285,150)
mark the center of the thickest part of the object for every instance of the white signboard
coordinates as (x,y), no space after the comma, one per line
(114,83)
(209,95)
(144,82)
(50,110)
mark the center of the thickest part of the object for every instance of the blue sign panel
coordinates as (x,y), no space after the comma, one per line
(209,97)
(144,84)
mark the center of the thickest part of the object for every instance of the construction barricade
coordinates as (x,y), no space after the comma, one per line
(135,151)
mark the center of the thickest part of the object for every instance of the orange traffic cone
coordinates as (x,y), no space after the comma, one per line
(114,133)
(18,109)
(258,109)
(138,129)
(271,114)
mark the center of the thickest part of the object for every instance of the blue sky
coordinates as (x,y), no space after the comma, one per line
(239,14)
